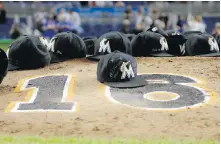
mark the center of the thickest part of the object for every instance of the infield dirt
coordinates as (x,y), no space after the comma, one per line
(99,117)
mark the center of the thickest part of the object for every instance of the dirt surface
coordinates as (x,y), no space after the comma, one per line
(99,117)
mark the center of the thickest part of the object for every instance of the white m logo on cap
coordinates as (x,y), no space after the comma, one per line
(43,41)
(126,71)
(51,44)
(213,44)
(104,47)
(164,45)
(154,29)
(182,49)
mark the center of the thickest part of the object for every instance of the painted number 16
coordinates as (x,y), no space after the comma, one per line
(55,93)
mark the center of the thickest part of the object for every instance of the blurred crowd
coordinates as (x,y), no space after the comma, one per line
(157,18)
(50,22)
(69,20)
(2,14)
(92,3)
(63,21)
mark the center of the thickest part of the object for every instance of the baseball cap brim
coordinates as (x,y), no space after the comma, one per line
(57,59)
(95,57)
(210,55)
(13,67)
(163,54)
(138,81)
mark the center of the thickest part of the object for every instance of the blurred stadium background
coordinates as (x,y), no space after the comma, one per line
(95,18)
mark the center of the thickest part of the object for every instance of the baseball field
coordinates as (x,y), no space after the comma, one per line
(64,103)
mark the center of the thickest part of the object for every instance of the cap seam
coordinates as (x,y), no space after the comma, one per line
(122,41)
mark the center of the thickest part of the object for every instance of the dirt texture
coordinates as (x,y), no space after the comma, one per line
(97,116)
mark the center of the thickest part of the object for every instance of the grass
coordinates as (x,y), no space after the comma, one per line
(4,43)
(70,140)
(4,46)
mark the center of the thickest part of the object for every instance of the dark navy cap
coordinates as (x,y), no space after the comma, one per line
(110,42)
(202,45)
(3,65)
(119,70)
(65,46)
(28,52)
(150,44)
(176,42)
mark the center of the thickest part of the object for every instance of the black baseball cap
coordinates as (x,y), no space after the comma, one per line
(66,45)
(188,34)
(176,42)
(119,70)
(150,44)
(202,45)
(90,44)
(110,42)
(130,36)
(3,65)
(156,29)
(28,52)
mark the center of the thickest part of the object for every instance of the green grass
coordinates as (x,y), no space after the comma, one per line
(70,140)
(4,43)
(4,46)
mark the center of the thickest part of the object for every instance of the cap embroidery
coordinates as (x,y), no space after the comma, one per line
(51,44)
(105,47)
(164,45)
(43,41)
(154,29)
(126,71)
(213,44)
(59,52)
(182,49)
(175,33)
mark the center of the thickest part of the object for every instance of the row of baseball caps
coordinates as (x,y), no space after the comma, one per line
(116,69)
(32,52)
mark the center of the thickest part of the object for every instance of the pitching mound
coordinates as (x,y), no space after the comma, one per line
(181,101)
